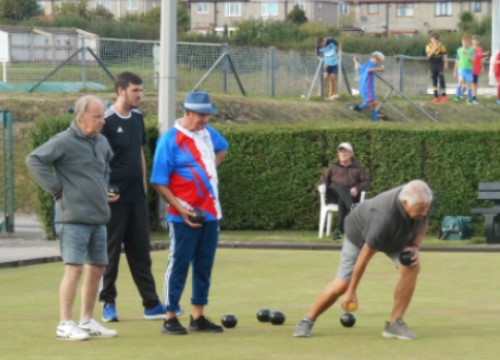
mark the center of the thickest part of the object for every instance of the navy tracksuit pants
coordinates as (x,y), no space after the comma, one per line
(195,247)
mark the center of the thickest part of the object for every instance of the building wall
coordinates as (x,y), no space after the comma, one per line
(216,16)
(424,16)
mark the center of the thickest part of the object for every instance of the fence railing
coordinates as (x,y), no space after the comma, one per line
(262,71)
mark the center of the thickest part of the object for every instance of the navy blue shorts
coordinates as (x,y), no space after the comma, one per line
(332,69)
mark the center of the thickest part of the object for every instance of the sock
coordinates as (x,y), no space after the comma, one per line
(474,98)
(374,114)
(435,93)
(469,95)
(459,91)
(443,94)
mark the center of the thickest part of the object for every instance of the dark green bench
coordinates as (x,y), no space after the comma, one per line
(490,191)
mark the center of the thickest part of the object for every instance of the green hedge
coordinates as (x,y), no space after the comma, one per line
(44,129)
(268,180)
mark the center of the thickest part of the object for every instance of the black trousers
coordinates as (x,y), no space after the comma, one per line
(437,75)
(129,225)
(344,201)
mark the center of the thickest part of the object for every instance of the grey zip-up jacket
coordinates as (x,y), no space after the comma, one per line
(77,166)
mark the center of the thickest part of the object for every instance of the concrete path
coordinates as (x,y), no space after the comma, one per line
(27,245)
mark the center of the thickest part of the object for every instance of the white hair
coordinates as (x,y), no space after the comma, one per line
(416,192)
(378,55)
(82,105)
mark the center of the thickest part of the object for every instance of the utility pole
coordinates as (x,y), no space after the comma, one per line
(168,65)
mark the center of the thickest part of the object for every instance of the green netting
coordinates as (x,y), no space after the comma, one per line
(56,87)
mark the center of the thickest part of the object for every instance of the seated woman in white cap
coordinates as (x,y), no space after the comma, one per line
(344,180)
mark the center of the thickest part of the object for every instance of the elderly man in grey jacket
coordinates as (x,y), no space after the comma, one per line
(392,222)
(73,167)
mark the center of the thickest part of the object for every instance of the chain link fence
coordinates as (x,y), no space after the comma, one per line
(262,71)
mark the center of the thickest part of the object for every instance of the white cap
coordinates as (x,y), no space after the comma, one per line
(345,145)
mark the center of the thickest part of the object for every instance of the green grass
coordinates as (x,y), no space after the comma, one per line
(455,311)
(310,237)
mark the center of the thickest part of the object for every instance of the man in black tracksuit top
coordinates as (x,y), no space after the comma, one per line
(124,129)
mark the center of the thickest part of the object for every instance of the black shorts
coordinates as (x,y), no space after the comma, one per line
(332,69)
(475,78)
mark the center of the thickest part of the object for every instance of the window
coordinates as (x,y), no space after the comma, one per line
(443,8)
(270,8)
(301,5)
(232,9)
(133,4)
(202,8)
(475,6)
(372,8)
(404,10)
(104,3)
(344,8)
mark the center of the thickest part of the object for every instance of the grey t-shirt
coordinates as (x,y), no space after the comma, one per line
(382,223)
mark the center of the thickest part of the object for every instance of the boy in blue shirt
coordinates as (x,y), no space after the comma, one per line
(328,49)
(367,82)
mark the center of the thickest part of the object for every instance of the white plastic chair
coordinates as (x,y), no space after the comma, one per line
(326,210)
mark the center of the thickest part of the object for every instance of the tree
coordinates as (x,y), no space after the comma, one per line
(78,9)
(466,22)
(183,20)
(100,13)
(18,10)
(297,16)
(153,16)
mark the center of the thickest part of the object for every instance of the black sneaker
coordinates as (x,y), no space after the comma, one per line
(173,327)
(337,234)
(354,108)
(202,324)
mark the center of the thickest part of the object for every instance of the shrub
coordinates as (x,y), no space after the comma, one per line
(44,129)
(268,180)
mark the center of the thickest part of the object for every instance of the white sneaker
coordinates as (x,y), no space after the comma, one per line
(69,330)
(93,328)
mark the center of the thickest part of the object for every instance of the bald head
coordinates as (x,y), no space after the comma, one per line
(89,114)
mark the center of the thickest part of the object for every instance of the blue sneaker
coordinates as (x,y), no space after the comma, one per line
(498,101)
(109,313)
(156,313)
(159,312)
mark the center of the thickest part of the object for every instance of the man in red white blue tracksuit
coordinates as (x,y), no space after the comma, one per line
(185,175)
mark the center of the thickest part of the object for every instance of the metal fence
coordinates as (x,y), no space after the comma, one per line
(262,71)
